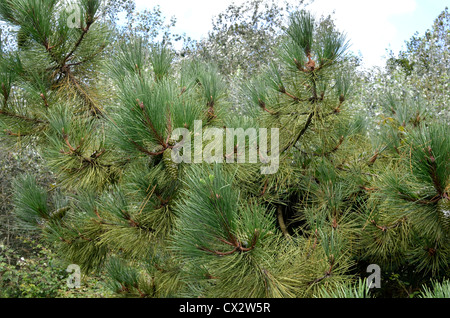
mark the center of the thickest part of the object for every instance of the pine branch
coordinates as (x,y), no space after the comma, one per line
(50,52)
(169,127)
(325,154)
(281,222)
(145,151)
(316,241)
(75,150)
(84,95)
(44,100)
(217,252)
(327,273)
(389,227)
(58,214)
(283,91)
(10,133)
(373,158)
(5,94)
(426,201)
(84,30)
(266,183)
(151,126)
(66,140)
(301,133)
(263,106)
(210,111)
(163,202)
(238,247)
(135,224)
(100,220)
(21,117)
(434,176)
(87,59)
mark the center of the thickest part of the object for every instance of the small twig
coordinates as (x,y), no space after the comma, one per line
(217,252)
(149,195)
(150,124)
(386,228)
(83,94)
(80,39)
(66,139)
(169,126)
(141,293)
(143,150)
(325,154)
(265,188)
(262,104)
(316,240)
(369,189)
(295,98)
(45,100)
(301,133)
(281,222)
(10,133)
(433,173)
(327,273)
(28,119)
(210,112)
(236,244)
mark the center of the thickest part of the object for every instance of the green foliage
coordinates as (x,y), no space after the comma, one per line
(350,188)
(149,24)
(410,200)
(39,276)
(357,290)
(243,37)
(161,61)
(30,201)
(212,213)
(438,290)
(424,65)
(301,31)
(40,273)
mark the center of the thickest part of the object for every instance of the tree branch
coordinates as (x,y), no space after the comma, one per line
(301,133)
(85,96)
(21,117)
(150,124)
(281,222)
(433,173)
(325,154)
(78,43)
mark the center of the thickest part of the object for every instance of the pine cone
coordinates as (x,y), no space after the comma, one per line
(171,167)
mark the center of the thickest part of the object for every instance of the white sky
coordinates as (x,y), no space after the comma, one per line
(372,26)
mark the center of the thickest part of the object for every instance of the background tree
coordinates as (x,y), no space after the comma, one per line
(409,115)
(243,37)
(425,63)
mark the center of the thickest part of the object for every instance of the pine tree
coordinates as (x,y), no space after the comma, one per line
(409,213)
(105,124)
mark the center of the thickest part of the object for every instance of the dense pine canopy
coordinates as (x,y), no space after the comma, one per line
(362,163)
